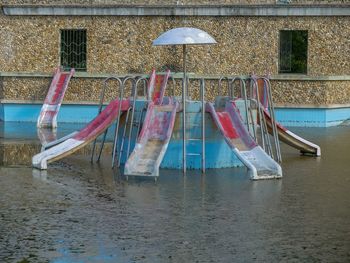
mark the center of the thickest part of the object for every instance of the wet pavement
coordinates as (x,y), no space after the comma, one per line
(78,212)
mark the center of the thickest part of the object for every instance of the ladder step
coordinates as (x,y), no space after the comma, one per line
(193,125)
(194,139)
(193,154)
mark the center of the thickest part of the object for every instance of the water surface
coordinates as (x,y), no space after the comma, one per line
(78,212)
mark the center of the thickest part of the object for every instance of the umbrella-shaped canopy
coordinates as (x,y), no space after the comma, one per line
(184,36)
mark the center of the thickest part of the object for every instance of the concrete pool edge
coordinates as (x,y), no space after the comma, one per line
(292,116)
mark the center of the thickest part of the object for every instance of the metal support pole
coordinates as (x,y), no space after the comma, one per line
(132,120)
(102,145)
(203,124)
(102,97)
(273,118)
(184,93)
(121,97)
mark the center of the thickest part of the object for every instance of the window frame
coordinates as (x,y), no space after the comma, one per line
(280,71)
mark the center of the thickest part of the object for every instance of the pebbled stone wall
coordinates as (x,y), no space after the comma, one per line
(9,152)
(313,93)
(123,45)
(80,89)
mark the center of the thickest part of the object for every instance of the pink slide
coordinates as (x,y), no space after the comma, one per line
(293,140)
(156,131)
(157,85)
(229,121)
(54,98)
(78,139)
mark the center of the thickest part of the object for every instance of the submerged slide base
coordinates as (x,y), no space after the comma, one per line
(40,160)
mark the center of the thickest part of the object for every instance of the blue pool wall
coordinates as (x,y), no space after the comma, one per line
(218,153)
(82,113)
(20,122)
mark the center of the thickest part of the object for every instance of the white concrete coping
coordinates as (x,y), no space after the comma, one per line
(179,75)
(178,10)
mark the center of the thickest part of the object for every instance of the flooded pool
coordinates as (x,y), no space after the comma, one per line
(78,212)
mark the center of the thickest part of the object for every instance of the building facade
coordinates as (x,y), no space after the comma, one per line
(303,45)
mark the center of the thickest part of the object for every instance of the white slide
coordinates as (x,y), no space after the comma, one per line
(293,140)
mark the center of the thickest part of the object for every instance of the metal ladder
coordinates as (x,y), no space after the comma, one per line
(271,149)
(102,97)
(271,110)
(129,124)
(187,140)
(248,105)
(130,121)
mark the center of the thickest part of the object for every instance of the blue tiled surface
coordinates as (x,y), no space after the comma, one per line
(308,117)
(1,112)
(337,116)
(297,117)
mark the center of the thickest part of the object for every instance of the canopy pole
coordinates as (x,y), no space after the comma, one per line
(184,97)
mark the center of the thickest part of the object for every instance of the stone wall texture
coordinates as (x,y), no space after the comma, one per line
(122,45)
(311,92)
(80,89)
(9,152)
(285,92)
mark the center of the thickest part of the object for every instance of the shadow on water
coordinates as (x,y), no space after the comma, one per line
(79,212)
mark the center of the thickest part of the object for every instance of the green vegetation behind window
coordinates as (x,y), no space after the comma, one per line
(73,49)
(293,51)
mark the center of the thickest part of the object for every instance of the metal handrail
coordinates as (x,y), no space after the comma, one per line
(121,96)
(135,96)
(271,109)
(101,102)
(229,88)
(174,85)
(135,85)
(125,80)
(254,93)
(243,95)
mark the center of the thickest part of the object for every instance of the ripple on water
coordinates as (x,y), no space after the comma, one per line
(77,212)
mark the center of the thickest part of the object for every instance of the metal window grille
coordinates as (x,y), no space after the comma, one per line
(293,51)
(73,49)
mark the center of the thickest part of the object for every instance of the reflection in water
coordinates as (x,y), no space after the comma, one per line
(39,174)
(78,212)
(46,135)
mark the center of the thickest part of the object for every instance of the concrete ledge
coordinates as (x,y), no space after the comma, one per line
(40,102)
(210,10)
(175,75)
(312,106)
(76,75)
(303,116)
(92,103)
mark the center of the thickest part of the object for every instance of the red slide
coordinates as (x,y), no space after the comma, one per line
(54,98)
(229,121)
(81,138)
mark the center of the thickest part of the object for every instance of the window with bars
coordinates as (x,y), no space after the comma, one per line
(293,51)
(73,49)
